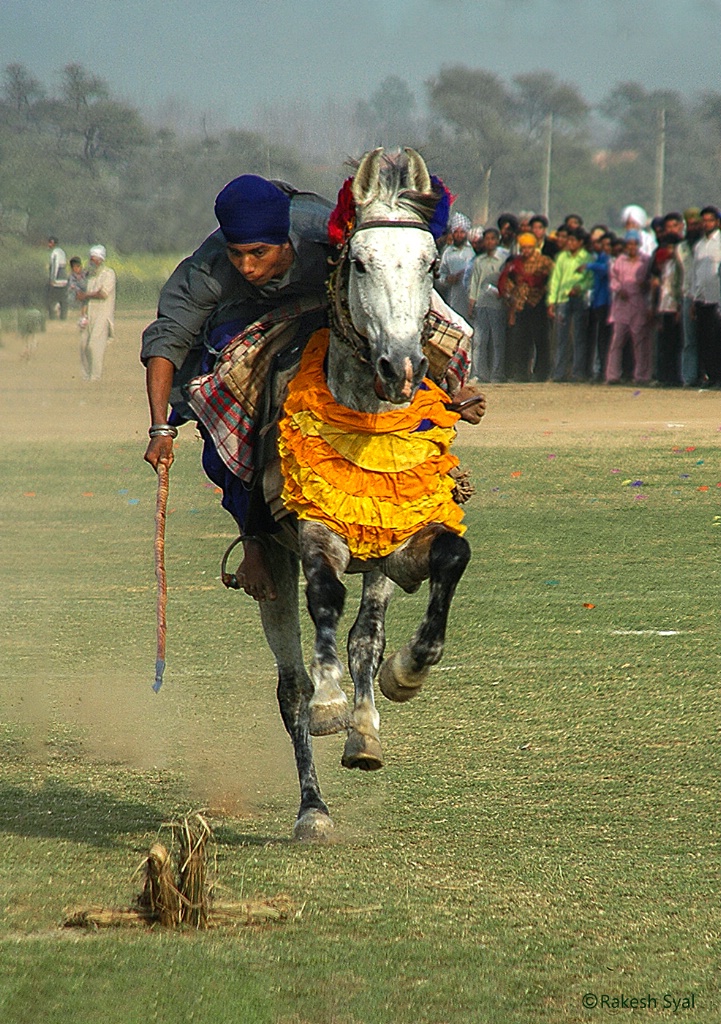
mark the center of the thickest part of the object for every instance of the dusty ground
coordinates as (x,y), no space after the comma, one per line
(44,396)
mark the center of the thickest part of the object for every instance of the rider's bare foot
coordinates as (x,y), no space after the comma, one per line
(253,575)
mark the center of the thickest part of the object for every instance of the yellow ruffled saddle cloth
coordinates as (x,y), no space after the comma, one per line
(374,479)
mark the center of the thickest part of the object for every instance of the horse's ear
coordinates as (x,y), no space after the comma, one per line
(419,180)
(366,182)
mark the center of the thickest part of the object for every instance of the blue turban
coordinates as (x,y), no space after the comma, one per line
(250,209)
(632,236)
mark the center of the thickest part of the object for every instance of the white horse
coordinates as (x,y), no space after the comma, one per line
(375,363)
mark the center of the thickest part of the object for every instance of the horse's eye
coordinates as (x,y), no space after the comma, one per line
(359,266)
(433,268)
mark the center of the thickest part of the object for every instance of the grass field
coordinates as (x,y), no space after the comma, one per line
(546,828)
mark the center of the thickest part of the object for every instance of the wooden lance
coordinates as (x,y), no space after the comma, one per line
(161,505)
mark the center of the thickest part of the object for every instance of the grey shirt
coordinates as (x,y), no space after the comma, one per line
(206,290)
(705,269)
(483,286)
(454,261)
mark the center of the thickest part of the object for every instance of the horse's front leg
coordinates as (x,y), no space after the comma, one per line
(281,623)
(443,556)
(325,557)
(366,643)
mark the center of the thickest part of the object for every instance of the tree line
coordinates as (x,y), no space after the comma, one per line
(79,163)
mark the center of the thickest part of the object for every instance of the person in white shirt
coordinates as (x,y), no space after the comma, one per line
(684,254)
(487,311)
(100,299)
(57,281)
(454,261)
(635,218)
(706,291)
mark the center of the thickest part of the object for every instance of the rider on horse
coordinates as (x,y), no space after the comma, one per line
(271,249)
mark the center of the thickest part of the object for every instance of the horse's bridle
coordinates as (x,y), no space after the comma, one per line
(337,288)
(364,225)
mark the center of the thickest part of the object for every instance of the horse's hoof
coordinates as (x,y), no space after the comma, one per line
(329,718)
(313,827)
(362,752)
(396,682)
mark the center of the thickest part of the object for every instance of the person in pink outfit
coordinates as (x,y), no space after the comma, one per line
(630,312)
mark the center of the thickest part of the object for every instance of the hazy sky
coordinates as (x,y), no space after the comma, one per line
(230,57)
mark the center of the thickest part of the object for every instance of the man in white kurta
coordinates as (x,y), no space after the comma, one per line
(454,261)
(100,299)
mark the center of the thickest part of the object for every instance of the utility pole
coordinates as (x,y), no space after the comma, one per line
(546,184)
(660,161)
(484,206)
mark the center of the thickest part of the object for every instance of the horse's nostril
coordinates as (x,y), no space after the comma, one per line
(385,368)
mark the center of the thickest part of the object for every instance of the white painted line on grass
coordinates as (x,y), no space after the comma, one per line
(645,632)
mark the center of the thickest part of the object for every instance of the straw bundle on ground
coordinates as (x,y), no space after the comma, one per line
(187,901)
(160,894)
(193,871)
(221,915)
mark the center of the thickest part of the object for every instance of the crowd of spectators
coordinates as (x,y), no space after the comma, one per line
(642,305)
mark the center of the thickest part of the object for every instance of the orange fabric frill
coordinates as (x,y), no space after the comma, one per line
(374,479)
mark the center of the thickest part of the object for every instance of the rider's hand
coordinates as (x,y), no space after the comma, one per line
(160,449)
(472,413)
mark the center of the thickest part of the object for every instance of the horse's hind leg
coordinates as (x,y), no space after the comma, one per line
(325,557)
(366,643)
(402,675)
(281,623)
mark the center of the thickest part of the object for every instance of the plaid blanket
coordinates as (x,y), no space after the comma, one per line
(447,351)
(228,401)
